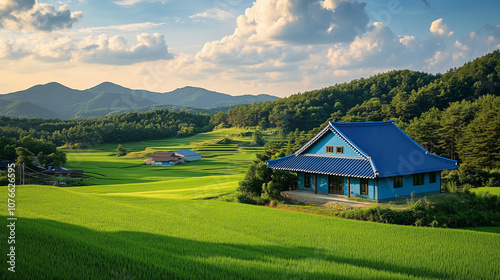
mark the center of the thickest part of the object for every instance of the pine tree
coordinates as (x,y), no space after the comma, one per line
(480,144)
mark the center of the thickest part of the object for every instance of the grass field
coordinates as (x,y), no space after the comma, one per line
(490,190)
(150,222)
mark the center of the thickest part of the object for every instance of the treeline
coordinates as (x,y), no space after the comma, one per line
(401,95)
(453,115)
(24,149)
(468,131)
(127,127)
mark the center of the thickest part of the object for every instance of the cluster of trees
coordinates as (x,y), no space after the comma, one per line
(260,180)
(401,95)
(24,149)
(453,115)
(468,131)
(127,127)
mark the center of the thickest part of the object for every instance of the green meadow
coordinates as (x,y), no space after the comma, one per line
(136,221)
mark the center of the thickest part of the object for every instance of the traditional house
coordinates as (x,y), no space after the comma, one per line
(375,160)
(164,158)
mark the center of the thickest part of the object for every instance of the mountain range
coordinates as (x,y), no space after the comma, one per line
(54,100)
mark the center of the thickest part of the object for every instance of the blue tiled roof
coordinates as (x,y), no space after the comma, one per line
(391,150)
(341,166)
(384,151)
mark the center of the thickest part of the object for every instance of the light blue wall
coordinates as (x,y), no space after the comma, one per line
(322,183)
(301,185)
(356,188)
(387,190)
(330,139)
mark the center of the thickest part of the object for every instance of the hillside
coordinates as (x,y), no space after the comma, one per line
(153,222)
(400,94)
(54,100)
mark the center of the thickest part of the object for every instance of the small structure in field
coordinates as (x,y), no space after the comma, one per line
(374,160)
(188,155)
(164,158)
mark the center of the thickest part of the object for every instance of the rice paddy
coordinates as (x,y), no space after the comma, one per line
(152,222)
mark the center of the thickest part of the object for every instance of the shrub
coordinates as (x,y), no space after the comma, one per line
(224,140)
(465,209)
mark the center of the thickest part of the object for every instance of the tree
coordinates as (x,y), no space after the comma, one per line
(120,151)
(257,139)
(24,156)
(453,121)
(425,130)
(58,157)
(480,145)
(280,181)
(252,184)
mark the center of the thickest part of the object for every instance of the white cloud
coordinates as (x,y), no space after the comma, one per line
(9,6)
(483,40)
(116,50)
(101,49)
(376,48)
(274,29)
(133,2)
(438,61)
(213,13)
(123,27)
(438,27)
(60,49)
(14,49)
(30,15)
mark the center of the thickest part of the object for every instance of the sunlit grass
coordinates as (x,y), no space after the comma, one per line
(155,222)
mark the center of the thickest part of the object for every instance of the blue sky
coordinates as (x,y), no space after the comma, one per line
(278,47)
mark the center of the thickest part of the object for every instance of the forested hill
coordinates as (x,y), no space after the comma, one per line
(126,127)
(455,115)
(401,95)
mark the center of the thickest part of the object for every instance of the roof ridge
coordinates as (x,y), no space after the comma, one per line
(374,167)
(362,123)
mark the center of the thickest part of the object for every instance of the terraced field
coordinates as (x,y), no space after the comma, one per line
(153,222)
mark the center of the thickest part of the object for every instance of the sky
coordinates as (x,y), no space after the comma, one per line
(277,47)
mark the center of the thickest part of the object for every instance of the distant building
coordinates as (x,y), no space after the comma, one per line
(36,161)
(164,158)
(63,171)
(172,158)
(188,155)
(375,160)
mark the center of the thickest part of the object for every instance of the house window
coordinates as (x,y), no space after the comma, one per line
(363,186)
(432,177)
(340,149)
(418,179)
(398,182)
(307,180)
(330,149)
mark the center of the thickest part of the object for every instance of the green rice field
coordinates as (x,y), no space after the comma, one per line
(155,222)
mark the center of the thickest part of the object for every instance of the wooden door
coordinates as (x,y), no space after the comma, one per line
(336,184)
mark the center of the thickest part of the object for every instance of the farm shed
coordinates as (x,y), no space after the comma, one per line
(374,160)
(164,158)
(188,155)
